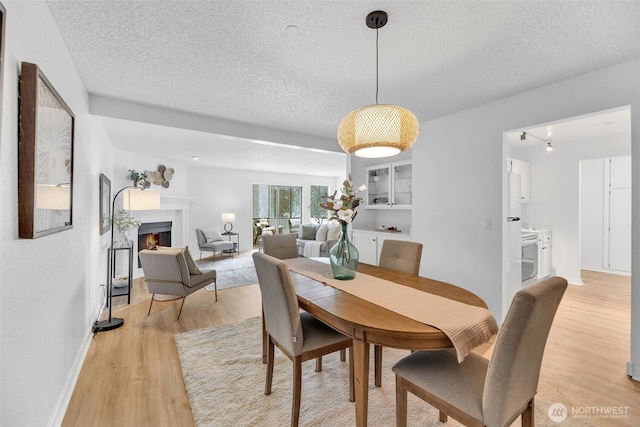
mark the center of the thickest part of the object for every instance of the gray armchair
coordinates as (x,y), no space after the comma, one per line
(208,244)
(169,272)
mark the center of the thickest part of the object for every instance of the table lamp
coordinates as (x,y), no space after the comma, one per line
(228,218)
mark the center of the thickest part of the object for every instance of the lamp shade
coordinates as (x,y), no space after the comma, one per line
(141,200)
(56,197)
(228,217)
(379,130)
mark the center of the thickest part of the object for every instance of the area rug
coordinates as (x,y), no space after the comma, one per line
(232,272)
(224,377)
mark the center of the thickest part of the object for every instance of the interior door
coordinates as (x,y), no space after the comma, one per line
(620,229)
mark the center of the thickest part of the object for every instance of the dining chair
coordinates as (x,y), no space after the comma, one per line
(299,335)
(280,246)
(283,246)
(481,392)
(403,256)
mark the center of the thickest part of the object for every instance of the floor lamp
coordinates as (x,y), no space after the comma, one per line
(135,199)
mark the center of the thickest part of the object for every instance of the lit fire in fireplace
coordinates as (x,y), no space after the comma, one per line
(151,241)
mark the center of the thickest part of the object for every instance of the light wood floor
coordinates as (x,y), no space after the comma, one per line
(131,376)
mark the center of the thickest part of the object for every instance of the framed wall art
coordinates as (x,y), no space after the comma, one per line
(105,204)
(45,157)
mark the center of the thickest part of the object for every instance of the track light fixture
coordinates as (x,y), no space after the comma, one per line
(523,137)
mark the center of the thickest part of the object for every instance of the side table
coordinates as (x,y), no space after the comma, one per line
(236,244)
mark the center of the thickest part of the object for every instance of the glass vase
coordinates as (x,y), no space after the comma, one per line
(343,257)
(123,237)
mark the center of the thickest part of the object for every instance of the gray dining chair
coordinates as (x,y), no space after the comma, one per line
(403,256)
(481,392)
(280,246)
(283,246)
(299,335)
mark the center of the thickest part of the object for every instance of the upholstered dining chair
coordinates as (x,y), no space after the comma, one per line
(172,271)
(401,255)
(398,255)
(283,246)
(299,335)
(481,392)
(280,246)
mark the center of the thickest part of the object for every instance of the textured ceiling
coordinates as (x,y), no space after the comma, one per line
(302,65)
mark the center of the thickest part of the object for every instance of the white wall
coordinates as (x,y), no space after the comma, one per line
(460,181)
(217,190)
(555,194)
(50,294)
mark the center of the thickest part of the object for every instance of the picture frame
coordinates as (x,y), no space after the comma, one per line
(45,157)
(105,204)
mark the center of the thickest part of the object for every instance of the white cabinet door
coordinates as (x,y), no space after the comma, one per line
(367,245)
(378,186)
(401,189)
(389,186)
(544,260)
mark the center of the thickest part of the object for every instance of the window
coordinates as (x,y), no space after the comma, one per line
(318,195)
(277,204)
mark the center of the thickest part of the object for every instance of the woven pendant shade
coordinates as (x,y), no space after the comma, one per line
(379,130)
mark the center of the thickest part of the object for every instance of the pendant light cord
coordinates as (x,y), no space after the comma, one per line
(377,33)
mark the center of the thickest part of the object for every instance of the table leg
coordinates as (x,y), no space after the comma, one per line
(361,380)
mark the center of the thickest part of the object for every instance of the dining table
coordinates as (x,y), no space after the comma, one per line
(370,323)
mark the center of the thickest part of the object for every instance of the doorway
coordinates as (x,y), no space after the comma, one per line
(555,182)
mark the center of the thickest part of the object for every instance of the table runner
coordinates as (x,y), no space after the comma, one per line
(467,326)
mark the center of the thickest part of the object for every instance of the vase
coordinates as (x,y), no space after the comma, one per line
(343,257)
(123,237)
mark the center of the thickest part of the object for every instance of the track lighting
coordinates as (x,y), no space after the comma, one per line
(523,137)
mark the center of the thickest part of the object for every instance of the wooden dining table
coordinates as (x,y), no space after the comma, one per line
(368,323)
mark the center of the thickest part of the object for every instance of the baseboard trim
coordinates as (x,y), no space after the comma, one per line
(63,402)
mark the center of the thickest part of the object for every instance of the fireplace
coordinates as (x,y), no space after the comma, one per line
(152,234)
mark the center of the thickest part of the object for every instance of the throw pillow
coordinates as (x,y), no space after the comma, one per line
(308,232)
(212,234)
(191,264)
(321,234)
(334,231)
(193,267)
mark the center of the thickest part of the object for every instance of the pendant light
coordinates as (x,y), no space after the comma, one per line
(379,130)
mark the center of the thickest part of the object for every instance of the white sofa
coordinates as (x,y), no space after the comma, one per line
(321,238)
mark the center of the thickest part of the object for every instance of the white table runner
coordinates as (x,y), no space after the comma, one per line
(467,326)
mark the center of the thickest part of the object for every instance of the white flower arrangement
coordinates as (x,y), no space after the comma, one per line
(124,221)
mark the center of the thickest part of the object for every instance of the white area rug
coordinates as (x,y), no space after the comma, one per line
(224,377)
(232,272)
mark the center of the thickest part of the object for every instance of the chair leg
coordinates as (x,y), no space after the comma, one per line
(377,364)
(181,305)
(269,379)
(401,403)
(265,340)
(297,391)
(528,414)
(352,390)
(200,256)
(149,312)
(215,287)
(319,364)
(343,355)
(442,417)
